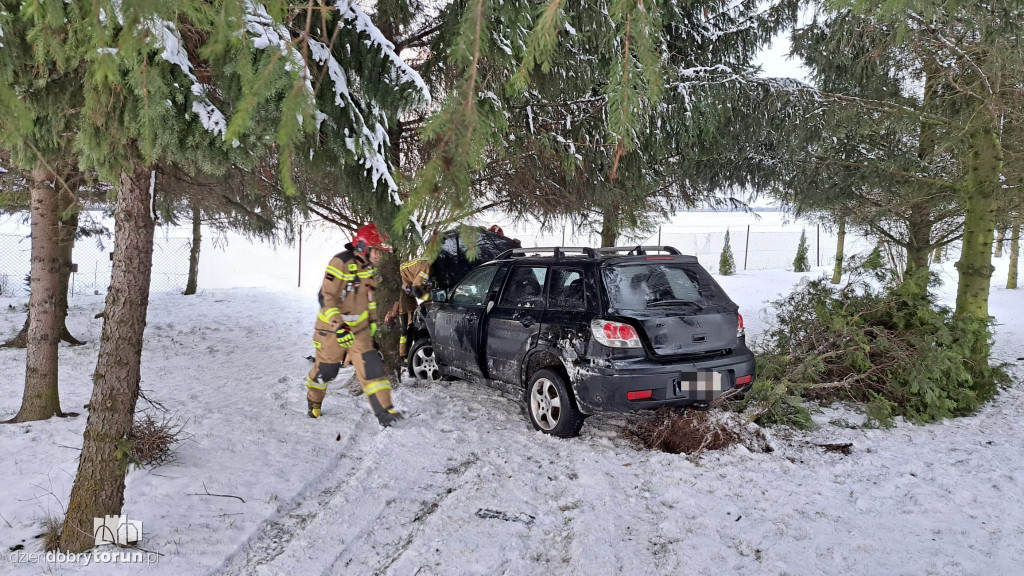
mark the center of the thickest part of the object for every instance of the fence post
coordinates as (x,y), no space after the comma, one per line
(746,249)
(817,246)
(300,255)
(563,234)
(659,235)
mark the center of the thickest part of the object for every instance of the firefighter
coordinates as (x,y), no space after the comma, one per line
(346,324)
(415,275)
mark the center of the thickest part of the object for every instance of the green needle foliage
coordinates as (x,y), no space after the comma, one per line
(726,263)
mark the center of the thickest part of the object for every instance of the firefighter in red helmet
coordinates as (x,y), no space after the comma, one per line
(346,324)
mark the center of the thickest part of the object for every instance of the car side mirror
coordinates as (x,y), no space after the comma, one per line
(439,296)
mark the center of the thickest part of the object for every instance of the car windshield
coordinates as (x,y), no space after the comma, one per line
(668,285)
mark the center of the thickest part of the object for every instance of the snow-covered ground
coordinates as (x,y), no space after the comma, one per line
(465,486)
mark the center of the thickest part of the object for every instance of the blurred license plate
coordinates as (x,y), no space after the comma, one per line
(699,385)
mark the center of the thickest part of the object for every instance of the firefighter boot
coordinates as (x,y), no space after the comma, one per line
(314,409)
(385,416)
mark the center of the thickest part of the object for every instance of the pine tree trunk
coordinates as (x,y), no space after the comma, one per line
(919,248)
(193,254)
(41,400)
(1000,238)
(837,273)
(68,230)
(1011,279)
(975,264)
(609,230)
(99,485)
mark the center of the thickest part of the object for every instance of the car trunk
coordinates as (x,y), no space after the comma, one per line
(675,332)
(679,306)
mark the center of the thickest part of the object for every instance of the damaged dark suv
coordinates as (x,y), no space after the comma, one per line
(576,331)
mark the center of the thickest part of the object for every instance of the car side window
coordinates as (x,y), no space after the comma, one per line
(567,291)
(473,290)
(525,288)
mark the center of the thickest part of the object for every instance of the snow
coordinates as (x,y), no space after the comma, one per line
(465,486)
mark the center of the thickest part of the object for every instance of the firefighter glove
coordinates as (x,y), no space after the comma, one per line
(345,338)
(417,292)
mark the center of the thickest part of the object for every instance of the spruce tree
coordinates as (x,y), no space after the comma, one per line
(726,263)
(800,262)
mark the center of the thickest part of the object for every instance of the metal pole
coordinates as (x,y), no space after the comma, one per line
(563,234)
(818,247)
(300,256)
(659,235)
(746,249)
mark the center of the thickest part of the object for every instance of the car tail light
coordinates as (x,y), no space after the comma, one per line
(640,395)
(743,380)
(615,334)
(740,331)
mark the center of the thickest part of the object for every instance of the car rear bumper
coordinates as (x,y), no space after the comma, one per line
(603,387)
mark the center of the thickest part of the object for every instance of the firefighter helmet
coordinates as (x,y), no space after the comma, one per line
(369,237)
(496,229)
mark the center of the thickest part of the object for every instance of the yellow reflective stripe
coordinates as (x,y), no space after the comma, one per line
(353,267)
(368,273)
(376,386)
(316,344)
(326,315)
(403,340)
(335,272)
(424,276)
(373,306)
(314,384)
(356,319)
(412,263)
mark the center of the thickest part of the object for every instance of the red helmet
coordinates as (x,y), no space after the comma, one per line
(497,229)
(369,237)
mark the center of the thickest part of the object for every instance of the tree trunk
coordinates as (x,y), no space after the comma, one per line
(386,294)
(1000,238)
(41,400)
(837,273)
(919,248)
(193,254)
(609,230)
(68,230)
(975,264)
(99,485)
(1011,279)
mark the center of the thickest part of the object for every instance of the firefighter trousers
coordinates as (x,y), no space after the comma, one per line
(369,366)
(407,305)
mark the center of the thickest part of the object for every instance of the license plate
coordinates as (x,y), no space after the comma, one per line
(699,385)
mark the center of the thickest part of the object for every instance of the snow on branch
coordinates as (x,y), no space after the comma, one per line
(355,15)
(167,38)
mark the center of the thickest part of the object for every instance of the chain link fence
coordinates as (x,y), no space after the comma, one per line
(752,249)
(92,265)
(229,261)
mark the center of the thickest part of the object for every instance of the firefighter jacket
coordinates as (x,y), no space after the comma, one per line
(415,273)
(346,296)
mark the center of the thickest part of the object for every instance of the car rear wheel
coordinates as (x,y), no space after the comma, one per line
(422,362)
(551,406)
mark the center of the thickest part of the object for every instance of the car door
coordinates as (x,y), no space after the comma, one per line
(514,322)
(456,321)
(566,321)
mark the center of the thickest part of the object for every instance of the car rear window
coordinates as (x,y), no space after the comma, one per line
(638,286)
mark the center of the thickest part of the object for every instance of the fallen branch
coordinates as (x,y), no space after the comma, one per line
(207,493)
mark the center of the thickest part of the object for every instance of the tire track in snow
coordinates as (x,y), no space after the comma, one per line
(276,533)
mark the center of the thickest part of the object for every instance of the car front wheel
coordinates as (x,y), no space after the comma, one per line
(551,406)
(422,362)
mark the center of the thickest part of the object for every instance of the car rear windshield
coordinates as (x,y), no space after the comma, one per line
(652,285)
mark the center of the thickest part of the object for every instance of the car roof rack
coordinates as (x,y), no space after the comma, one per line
(558,251)
(639,250)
